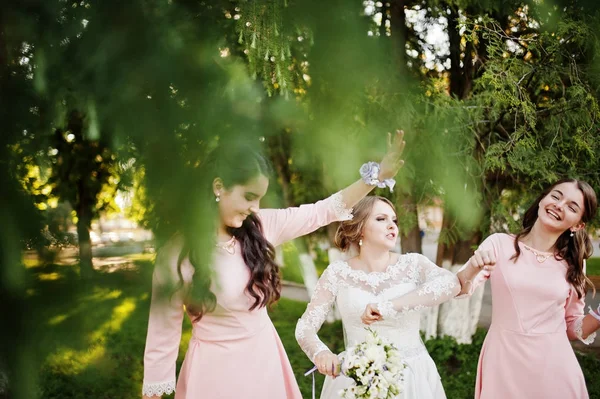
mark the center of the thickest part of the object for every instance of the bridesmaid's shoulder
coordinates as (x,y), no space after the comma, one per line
(501,237)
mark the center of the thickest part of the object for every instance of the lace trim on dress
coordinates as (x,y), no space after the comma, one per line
(438,286)
(374,279)
(386,308)
(311,320)
(578,328)
(342,212)
(158,389)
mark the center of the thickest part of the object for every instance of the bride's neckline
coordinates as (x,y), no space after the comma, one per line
(384,271)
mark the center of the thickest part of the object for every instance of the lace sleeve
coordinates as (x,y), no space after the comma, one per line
(435,285)
(316,313)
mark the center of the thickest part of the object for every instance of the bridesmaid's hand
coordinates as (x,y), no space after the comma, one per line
(327,363)
(371,314)
(392,161)
(483,259)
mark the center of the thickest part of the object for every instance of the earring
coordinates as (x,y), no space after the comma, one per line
(360,242)
(572,233)
(218,197)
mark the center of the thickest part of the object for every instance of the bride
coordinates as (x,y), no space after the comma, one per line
(380,288)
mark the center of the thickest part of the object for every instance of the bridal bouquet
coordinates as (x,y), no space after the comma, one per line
(375,367)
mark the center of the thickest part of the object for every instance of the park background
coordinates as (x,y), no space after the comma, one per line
(108,108)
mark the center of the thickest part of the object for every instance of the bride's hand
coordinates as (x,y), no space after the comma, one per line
(392,162)
(327,363)
(371,314)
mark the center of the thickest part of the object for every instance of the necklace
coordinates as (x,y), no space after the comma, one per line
(228,246)
(539,257)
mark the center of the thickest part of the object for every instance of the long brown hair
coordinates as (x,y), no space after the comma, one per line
(234,165)
(350,231)
(574,250)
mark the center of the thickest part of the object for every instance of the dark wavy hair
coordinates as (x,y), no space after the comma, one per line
(234,165)
(574,250)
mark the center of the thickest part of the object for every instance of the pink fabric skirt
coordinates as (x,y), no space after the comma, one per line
(533,366)
(249,367)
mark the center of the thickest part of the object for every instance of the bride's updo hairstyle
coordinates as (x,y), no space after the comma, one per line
(349,232)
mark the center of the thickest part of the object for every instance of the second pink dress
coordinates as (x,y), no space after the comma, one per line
(535,312)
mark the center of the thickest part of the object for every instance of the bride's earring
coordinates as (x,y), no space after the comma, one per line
(360,242)
(218,197)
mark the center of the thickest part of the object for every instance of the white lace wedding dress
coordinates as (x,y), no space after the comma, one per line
(410,284)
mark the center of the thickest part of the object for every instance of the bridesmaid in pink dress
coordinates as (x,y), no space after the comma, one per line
(538,287)
(226,285)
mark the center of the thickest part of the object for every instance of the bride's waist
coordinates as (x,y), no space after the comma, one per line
(408,352)
(409,344)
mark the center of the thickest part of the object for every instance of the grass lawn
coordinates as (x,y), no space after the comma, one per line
(90,337)
(593,267)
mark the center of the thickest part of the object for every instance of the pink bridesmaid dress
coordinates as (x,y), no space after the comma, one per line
(233,352)
(535,312)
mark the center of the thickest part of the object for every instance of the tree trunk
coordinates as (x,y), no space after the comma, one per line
(279,148)
(411,240)
(456,318)
(84,222)
(399,32)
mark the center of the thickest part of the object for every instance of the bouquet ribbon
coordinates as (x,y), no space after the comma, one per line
(312,371)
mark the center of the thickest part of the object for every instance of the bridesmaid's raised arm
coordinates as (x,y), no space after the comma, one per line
(281,225)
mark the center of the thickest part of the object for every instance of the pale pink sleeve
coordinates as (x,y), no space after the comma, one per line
(281,225)
(164,325)
(489,244)
(574,314)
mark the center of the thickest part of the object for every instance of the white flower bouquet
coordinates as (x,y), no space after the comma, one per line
(375,367)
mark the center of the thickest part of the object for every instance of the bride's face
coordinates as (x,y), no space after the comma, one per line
(381,227)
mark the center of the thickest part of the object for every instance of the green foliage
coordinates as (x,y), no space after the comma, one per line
(140,208)
(530,117)
(291,268)
(276,48)
(168,80)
